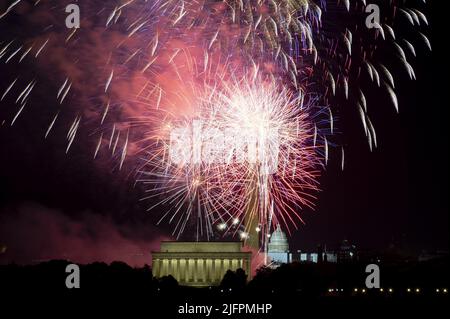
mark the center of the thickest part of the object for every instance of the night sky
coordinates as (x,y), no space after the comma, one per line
(397,194)
(54,205)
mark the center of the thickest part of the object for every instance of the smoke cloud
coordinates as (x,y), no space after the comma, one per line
(32,233)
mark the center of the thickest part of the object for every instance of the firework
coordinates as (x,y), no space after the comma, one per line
(269,69)
(247,139)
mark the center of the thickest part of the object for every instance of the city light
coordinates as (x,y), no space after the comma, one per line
(244,235)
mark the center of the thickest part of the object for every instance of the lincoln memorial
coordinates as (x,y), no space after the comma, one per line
(199,263)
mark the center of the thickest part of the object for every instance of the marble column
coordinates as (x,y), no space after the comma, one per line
(179,270)
(155,270)
(208,269)
(226,265)
(220,265)
(190,269)
(213,270)
(176,269)
(187,270)
(200,270)
(195,270)
(165,267)
(182,270)
(205,270)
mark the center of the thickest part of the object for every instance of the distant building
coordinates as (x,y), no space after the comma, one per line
(346,253)
(199,263)
(278,247)
(318,257)
(278,252)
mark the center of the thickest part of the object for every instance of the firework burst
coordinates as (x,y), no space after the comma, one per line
(248,139)
(136,70)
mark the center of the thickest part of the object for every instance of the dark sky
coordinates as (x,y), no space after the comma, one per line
(54,205)
(398,193)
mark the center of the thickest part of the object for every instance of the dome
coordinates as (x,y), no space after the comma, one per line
(278,241)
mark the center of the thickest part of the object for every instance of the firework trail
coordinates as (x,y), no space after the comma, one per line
(247,139)
(137,69)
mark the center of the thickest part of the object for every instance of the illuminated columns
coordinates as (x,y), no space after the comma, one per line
(183,269)
(161,269)
(217,268)
(195,269)
(227,267)
(186,270)
(159,266)
(222,268)
(204,270)
(200,269)
(156,268)
(209,270)
(234,264)
(165,267)
(180,269)
(169,267)
(190,269)
(176,271)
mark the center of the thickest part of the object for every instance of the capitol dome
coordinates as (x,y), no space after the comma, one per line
(278,241)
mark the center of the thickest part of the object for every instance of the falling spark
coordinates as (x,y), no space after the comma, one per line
(62,88)
(108,82)
(9,8)
(73,132)
(41,48)
(18,113)
(99,143)
(124,152)
(8,89)
(51,125)
(65,93)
